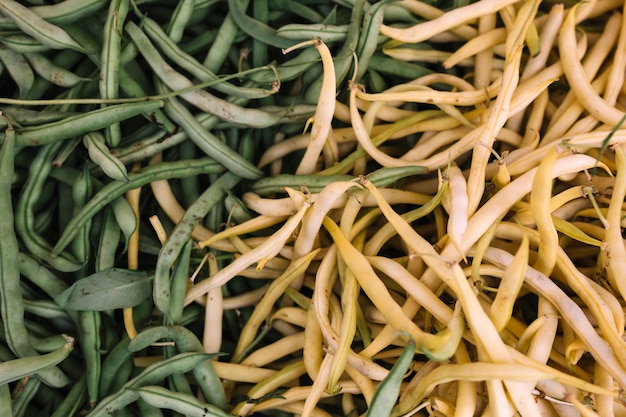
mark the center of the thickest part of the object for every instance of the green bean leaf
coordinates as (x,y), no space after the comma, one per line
(108,290)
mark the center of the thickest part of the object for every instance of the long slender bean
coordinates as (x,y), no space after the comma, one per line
(255,28)
(80,124)
(172,247)
(111,191)
(47,33)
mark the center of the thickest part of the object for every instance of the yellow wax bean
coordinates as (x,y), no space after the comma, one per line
(447,21)
(253,225)
(613,236)
(579,83)
(540,207)
(474,46)
(263,308)
(474,371)
(510,285)
(569,311)
(378,293)
(455,202)
(324,110)
(267,250)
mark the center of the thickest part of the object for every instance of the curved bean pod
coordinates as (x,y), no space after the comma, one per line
(24,212)
(181,363)
(111,191)
(48,70)
(255,28)
(183,403)
(80,124)
(182,232)
(326,33)
(209,143)
(186,341)
(101,156)
(108,81)
(66,11)
(267,250)
(16,369)
(32,24)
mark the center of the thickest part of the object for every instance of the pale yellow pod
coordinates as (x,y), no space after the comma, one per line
(510,285)
(213,313)
(288,373)
(267,250)
(274,292)
(268,354)
(613,235)
(475,45)
(253,225)
(447,21)
(324,110)
(578,81)
(455,202)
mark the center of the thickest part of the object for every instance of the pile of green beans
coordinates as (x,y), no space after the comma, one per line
(103,98)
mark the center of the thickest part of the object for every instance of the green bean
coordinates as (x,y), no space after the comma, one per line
(299,31)
(100,154)
(190,187)
(210,144)
(299,9)
(16,369)
(110,62)
(33,25)
(63,12)
(387,392)
(127,83)
(113,365)
(74,399)
(185,404)
(254,28)
(45,344)
(201,99)
(290,69)
(11,305)
(394,67)
(368,40)
(181,234)
(161,171)
(223,42)
(27,389)
(181,363)
(80,124)
(21,43)
(27,117)
(344,57)
(51,72)
(186,341)
(179,281)
(24,216)
(125,218)
(9,249)
(315,183)
(180,18)
(261,13)
(89,322)
(6,403)
(42,277)
(18,69)
(45,308)
(147,410)
(199,71)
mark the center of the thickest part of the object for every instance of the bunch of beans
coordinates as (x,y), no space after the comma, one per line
(312,208)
